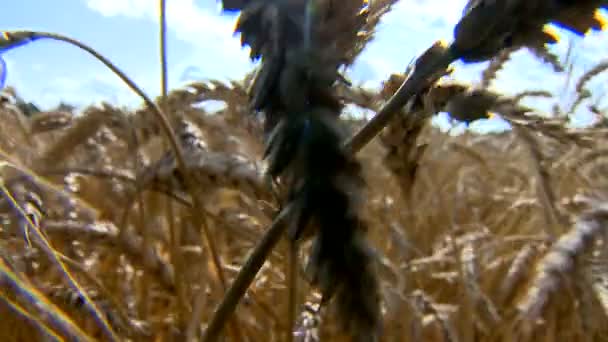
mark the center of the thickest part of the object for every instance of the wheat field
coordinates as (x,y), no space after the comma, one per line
(476,237)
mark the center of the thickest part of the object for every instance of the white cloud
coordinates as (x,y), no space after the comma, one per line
(215,53)
(205,29)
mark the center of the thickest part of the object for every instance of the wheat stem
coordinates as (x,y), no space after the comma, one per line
(414,84)
(53,257)
(163,49)
(246,275)
(197,206)
(20,311)
(174,230)
(292,292)
(49,311)
(102,289)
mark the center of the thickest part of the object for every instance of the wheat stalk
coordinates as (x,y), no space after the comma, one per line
(19,310)
(53,256)
(560,261)
(50,311)
(518,269)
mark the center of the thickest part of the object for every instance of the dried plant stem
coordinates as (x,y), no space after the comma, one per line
(176,259)
(545,192)
(102,289)
(292,287)
(236,332)
(22,312)
(53,257)
(246,275)
(197,312)
(416,82)
(142,227)
(519,268)
(145,278)
(174,230)
(197,206)
(53,314)
(163,49)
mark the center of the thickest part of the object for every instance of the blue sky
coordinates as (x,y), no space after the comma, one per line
(202,46)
